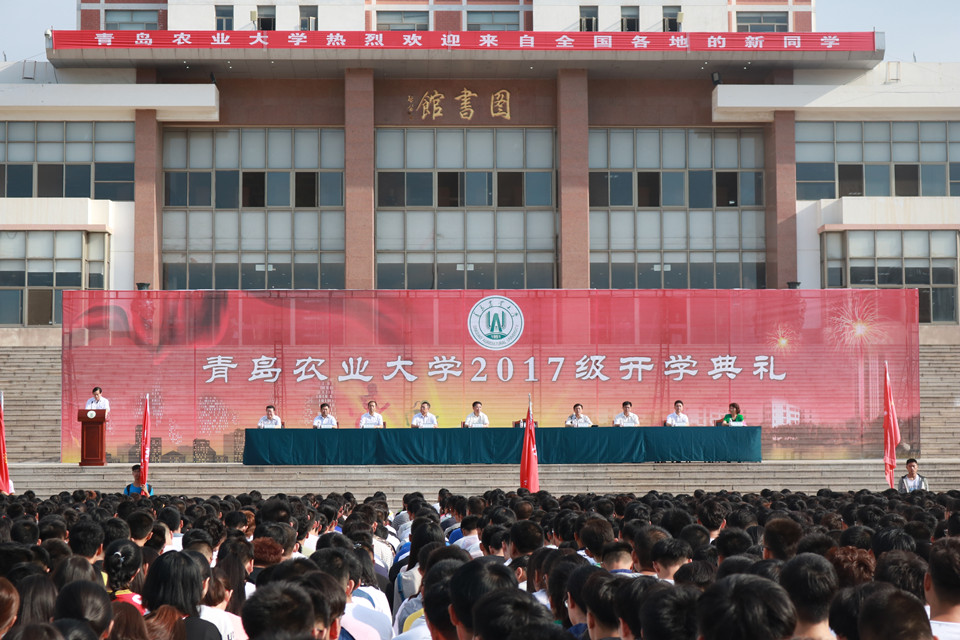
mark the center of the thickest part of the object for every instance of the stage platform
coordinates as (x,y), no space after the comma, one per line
(220,479)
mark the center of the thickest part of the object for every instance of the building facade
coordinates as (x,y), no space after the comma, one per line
(200,165)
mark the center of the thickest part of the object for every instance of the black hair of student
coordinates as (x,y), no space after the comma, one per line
(85,601)
(732,542)
(72,569)
(845,608)
(736,564)
(557,578)
(598,595)
(857,536)
(86,536)
(745,607)
(596,532)
(811,581)
(171,517)
(141,524)
(25,531)
(122,559)
(892,539)
(499,612)
(902,569)
(493,536)
(73,629)
(675,519)
(115,529)
(670,614)
(818,543)
(696,535)
(699,574)
(769,569)
(539,632)
(35,631)
(781,537)
(575,583)
(341,564)
(893,614)
(475,579)
(629,599)
(278,606)
(419,538)
(328,598)
(38,598)
(333,540)
(174,579)
(292,569)
(671,551)
(526,536)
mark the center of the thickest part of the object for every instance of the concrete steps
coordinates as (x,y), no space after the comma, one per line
(220,479)
(30,380)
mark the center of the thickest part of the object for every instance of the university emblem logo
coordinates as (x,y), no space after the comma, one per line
(495,323)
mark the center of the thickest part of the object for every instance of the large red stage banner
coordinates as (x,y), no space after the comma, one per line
(475,40)
(807,365)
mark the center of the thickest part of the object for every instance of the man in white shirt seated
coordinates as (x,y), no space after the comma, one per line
(424,419)
(627,418)
(678,418)
(477,418)
(98,401)
(577,418)
(371,419)
(271,420)
(325,420)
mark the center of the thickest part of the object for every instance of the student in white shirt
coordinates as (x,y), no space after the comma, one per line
(424,419)
(678,418)
(477,418)
(371,419)
(627,418)
(325,420)
(578,418)
(271,420)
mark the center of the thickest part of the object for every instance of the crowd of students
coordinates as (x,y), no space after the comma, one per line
(501,565)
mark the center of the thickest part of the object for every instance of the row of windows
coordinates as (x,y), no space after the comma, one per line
(253,271)
(696,189)
(676,149)
(630,19)
(824,180)
(678,270)
(104,180)
(253,149)
(233,189)
(465,148)
(35,267)
(923,260)
(671,230)
(453,189)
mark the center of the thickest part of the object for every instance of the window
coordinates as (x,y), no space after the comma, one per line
(465,208)
(629,18)
(36,266)
(224,14)
(56,160)
(115,20)
(671,18)
(676,208)
(308,18)
(493,20)
(762,21)
(877,159)
(253,209)
(266,17)
(402,21)
(914,259)
(588,18)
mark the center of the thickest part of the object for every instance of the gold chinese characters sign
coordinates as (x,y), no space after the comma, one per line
(432,107)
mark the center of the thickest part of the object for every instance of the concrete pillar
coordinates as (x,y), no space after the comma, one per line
(780,175)
(573,178)
(146,199)
(359,179)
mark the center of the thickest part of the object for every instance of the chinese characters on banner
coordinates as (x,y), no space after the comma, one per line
(797,362)
(477,40)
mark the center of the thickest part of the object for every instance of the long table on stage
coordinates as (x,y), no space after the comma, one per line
(601,445)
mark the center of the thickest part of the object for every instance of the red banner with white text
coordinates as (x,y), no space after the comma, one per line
(476,40)
(807,365)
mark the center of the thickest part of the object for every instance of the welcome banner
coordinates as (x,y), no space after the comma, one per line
(807,365)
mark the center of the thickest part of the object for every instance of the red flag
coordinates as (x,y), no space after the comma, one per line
(891,428)
(5,484)
(145,446)
(529,464)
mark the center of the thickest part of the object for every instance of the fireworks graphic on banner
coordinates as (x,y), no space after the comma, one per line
(783,339)
(214,417)
(856,323)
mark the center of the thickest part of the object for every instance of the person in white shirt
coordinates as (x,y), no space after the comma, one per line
(98,401)
(627,418)
(577,418)
(424,419)
(271,420)
(477,418)
(325,420)
(678,418)
(371,419)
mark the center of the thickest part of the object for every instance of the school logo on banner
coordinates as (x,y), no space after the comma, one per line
(495,323)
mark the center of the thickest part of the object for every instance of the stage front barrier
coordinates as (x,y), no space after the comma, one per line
(602,445)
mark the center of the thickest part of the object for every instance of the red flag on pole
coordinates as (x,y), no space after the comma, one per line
(891,428)
(529,464)
(145,446)
(5,485)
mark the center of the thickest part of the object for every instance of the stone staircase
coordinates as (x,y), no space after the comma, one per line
(30,380)
(30,376)
(940,401)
